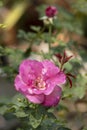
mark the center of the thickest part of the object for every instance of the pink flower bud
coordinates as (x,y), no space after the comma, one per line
(51,11)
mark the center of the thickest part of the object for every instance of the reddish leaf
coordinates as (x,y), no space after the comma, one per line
(70,81)
(67,59)
(59,56)
(64,55)
(68,74)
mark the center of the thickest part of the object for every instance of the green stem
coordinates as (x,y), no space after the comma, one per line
(50,34)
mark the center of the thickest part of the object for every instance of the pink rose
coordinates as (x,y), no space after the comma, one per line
(40,81)
(51,11)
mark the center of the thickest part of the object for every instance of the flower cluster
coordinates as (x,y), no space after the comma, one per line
(40,82)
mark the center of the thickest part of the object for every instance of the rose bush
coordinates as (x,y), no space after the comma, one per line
(40,82)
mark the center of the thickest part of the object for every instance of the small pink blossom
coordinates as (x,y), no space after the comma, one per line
(40,81)
(51,11)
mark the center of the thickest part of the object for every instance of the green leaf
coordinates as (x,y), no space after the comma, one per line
(68,66)
(18,100)
(36,29)
(20,114)
(34,122)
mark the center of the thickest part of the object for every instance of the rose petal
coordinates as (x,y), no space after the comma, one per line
(58,79)
(50,68)
(51,82)
(19,84)
(51,11)
(35,98)
(30,69)
(54,98)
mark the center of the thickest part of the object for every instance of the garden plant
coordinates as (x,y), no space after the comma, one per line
(44,79)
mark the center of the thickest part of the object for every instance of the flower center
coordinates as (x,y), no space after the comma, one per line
(40,84)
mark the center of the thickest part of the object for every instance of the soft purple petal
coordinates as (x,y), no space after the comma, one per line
(49,87)
(19,84)
(37,91)
(29,70)
(50,69)
(35,98)
(51,82)
(60,78)
(54,98)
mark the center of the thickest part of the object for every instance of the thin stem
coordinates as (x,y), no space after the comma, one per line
(50,34)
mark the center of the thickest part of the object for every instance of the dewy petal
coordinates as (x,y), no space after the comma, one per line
(29,70)
(54,98)
(35,98)
(19,84)
(50,68)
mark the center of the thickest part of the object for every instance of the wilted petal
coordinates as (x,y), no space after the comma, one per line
(54,98)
